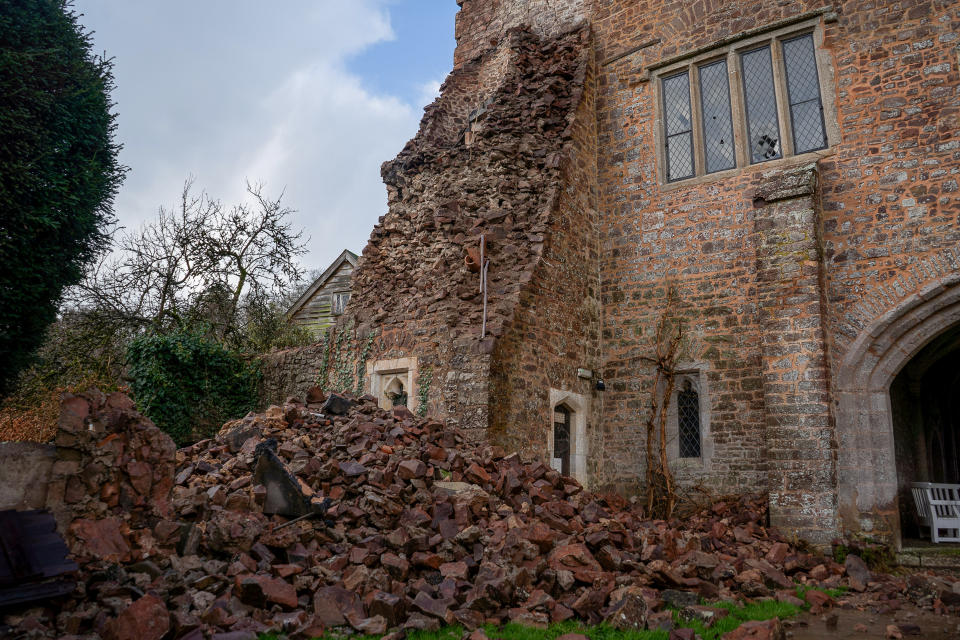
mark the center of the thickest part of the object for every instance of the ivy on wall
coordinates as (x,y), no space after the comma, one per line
(190,385)
(343,360)
(423,390)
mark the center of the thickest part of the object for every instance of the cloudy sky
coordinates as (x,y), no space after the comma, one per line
(306,96)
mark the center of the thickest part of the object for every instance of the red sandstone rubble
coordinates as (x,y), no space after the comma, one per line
(391,522)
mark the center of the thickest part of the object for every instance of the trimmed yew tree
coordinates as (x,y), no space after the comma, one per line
(59,170)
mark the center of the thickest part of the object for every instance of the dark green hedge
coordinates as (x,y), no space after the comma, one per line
(58,168)
(189,385)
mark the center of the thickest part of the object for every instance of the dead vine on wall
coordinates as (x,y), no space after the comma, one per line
(661,488)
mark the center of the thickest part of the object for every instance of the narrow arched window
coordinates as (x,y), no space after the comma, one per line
(396,393)
(561,438)
(688,421)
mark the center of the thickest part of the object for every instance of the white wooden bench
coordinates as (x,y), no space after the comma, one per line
(938,507)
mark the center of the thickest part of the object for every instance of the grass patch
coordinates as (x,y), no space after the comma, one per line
(802,590)
(738,614)
(761,610)
(513,631)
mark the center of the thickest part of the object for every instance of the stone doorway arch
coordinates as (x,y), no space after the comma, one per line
(866,464)
(574,407)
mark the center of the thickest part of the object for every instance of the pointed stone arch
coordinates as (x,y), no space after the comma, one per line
(867,475)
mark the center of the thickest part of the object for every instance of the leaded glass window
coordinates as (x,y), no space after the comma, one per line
(760,100)
(717,125)
(772,109)
(679,126)
(803,90)
(688,421)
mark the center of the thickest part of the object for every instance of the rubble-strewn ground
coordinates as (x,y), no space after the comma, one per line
(405,526)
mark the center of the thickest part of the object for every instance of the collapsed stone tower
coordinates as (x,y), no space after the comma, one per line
(778,180)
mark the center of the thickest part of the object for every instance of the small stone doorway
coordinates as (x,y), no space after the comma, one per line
(561,438)
(925,407)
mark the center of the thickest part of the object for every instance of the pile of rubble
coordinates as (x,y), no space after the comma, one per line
(335,513)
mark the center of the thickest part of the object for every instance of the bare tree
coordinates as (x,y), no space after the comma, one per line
(197,261)
(254,249)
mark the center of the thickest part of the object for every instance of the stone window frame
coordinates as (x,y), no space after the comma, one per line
(382,373)
(578,405)
(697,377)
(730,51)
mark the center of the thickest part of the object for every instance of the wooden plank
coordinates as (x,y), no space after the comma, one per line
(24,593)
(31,547)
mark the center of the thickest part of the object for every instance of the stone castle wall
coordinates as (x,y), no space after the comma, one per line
(482,24)
(798,281)
(487,161)
(556,327)
(887,226)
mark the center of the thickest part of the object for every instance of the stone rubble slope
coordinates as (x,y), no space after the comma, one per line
(335,513)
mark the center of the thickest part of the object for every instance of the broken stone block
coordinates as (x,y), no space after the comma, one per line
(858,572)
(332,605)
(388,606)
(409,469)
(284,496)
(758,630)
(705,614)
(678,599)
(101,539)
(336,405)
(258,591)
(436,607)
(627,610)
(146,619)
(315,395)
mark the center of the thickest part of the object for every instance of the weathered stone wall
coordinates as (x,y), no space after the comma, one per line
(798,310)
(892,210)
(481,24)
(289,372)
(799,428)
(889,211)
(556,328)
(487,161)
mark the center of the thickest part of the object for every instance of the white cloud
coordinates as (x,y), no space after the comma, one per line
(228,90)
(429,91)
(328,140)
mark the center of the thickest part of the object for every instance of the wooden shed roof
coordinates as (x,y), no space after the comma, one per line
(346,256)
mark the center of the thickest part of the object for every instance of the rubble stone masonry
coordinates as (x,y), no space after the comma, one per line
(489,161)
(803,284)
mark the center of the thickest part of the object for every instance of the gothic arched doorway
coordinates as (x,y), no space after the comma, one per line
(912,337)
(925,407)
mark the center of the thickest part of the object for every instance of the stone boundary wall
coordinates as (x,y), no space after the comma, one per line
(25,469)
(289,372)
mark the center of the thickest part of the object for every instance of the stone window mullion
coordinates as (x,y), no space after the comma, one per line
(737,111)
(699,151)
(690,135)
(783,102)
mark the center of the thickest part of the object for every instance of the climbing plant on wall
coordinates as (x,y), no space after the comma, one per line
(423,390)
(343,359)
(661,488)
(190,385)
